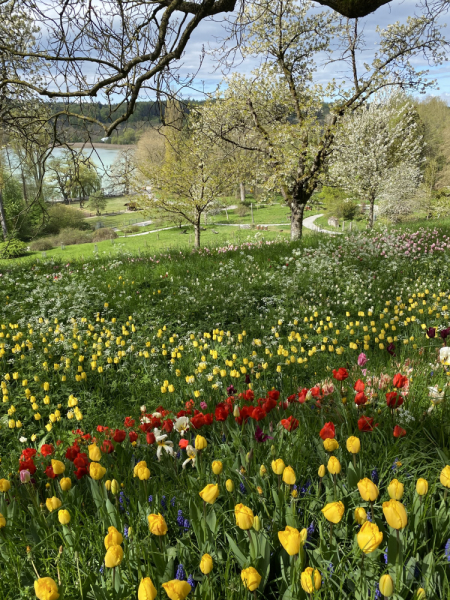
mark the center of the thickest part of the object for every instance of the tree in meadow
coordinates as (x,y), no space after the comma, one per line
(378,151)
(275,112)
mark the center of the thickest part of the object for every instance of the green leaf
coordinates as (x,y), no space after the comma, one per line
(352,476)
(240,556)
(211,520)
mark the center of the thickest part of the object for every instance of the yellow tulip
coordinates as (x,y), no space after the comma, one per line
(422,486)
(368,490)
(65,484)
(289,476)
(353,444)
(311,580)
(200,443)
(94,452)
(369,537)
(113,538)
(210,493)
(147,590)
(257,523)
(333,512)
(421,595)
(2,521)
(262,470)
(115,487)
(229,485)
(45,588)
(330,444)
(334,466)
(244,516)
(395,489)
(58,467)
(278,466)
(445,476)
(113,556)
(157,524)
(386,585)
(206,564)
(96,471)
(322,471)
(176,589)
(250,578)
(108,485)
(395,514)
(217,467)
(4,485)
(64,517)
(53,503)
(360,515)
(292,539)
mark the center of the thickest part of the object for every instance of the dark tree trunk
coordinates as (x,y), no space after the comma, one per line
(3,218)
(297,210)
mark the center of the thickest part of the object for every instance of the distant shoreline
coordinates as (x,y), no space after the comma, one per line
(99,146)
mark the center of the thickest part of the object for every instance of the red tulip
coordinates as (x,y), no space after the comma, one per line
(365,423)
(399,431)
(400,381)
(290,424)
(359,386)
(340,374)
(360,398)
(394,400)
(328,431)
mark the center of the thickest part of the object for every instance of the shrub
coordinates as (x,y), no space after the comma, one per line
(62,216)
(242,210)
(41,245)
(131,229)
(70,237)
(12,248)
(104,233)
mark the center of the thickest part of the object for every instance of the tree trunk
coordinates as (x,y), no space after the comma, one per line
(371,211)
(242,191)
(3,218)
(297,210)
(197,234)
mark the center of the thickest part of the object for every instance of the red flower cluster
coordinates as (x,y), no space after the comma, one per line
(328,431)
(341,374)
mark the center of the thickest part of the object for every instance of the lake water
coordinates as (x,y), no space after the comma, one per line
(102,158)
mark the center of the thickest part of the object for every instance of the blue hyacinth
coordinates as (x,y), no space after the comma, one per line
(181,575)
(242,488)
(191,582)
(385,555)
(125,531)
(150,499)
(164,502)
(374,476)
(180,518)
(173,501)
(447,550)
(311,529)
(186,525)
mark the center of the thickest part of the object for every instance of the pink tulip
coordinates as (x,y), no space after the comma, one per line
(362,359)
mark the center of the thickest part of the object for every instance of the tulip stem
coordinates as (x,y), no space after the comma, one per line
(334,484)
(79,575)
(114,578)
(354,461)
(445,493)
(371,510)
(35,570)
(331,533)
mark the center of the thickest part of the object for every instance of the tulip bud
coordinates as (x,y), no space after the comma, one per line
(25,476)
(330,444)
(65,484)
(108,485)
(360,515)
(422,486)
(278,466)
(256,523)
(217,467)
(395,489)
(270,427)
(353,445)
(322,471)
(64,517)
(206,564)
(334,466)
(273,450)
(115,486)
(386,585)
(229,485)
(445,476)
(262,470)
(200,442)
(236,412)
(249,456)
(289,476)
(421,594)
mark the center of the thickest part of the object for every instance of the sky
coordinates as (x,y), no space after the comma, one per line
(209,77)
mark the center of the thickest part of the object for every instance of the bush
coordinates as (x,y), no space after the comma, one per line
(104,233)
(41,245)
(70,237)
(62,216)
(131,229)
(12,248)
(242,210)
